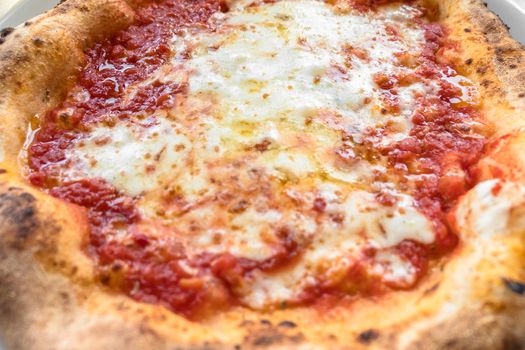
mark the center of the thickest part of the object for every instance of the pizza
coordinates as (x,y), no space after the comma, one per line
(250,174)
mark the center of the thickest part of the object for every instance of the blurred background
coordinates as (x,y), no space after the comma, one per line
(14,12)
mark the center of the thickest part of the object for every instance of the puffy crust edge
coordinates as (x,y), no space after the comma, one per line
(40,307)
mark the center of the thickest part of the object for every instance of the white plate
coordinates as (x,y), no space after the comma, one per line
(14,12)
(512,12)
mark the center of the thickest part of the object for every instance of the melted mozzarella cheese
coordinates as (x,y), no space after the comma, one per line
(133,157)
(271,92)
(288,61)
(338,244)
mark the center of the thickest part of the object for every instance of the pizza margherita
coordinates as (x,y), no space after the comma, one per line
(207,174)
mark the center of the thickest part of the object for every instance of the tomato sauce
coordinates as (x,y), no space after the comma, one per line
(441,149)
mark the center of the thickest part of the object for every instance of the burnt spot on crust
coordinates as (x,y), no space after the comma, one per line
(3,171)
(469,61)
(368,336)
(105,279)
(452,343)
(38,42)
(505,49)
(287,324)
(265,335)
(18,215)
(17,58)
(269,340)
(514,286)
(64,7)
(431,289)
(4,33)
(511,343)
(482,70)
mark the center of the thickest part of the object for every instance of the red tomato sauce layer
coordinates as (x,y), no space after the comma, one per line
(445,143)
(439,153)
(114,65)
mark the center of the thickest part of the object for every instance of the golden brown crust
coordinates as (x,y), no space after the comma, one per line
(39,60)
(50,296)
(492,58)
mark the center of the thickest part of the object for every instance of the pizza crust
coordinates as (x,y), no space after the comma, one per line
(50,295)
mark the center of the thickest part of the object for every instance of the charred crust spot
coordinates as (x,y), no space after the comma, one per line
(6,31)
(482,70)
(514,286)
(267,340)
(367,336)
(469,61)
(105,279)
(513,66)
(503,50)
(485,83)
(511,343)
(268,337)
(431,289)
(18,214)
(38,42)
(28,23)
(287,324)
(467,30)
(265,322)
(522,95)
(237,347)
(451,343)
(3,171)
(64,296)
